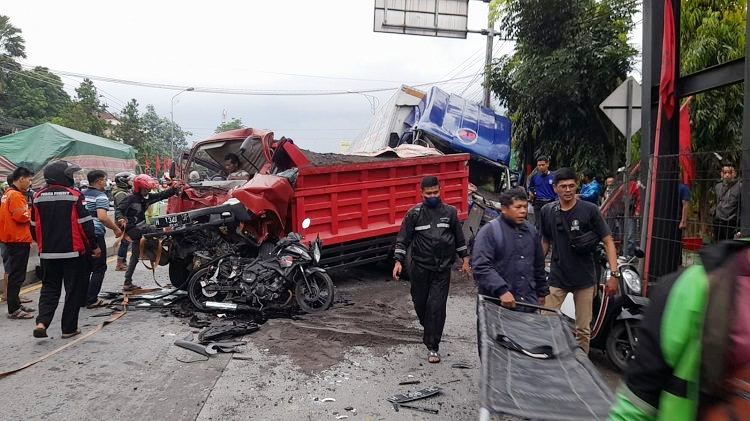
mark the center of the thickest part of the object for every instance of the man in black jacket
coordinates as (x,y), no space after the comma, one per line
(64,232)
(507,259)
(133,212)
(433,232)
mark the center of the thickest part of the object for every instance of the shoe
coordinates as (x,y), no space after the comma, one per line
(40,332)
(130,287)
(71,334)
(121,266)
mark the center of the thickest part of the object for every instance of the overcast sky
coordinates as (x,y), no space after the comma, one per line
(246,45)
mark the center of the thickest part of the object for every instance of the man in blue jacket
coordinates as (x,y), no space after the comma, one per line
(591,189)
(507,258)
(540,188)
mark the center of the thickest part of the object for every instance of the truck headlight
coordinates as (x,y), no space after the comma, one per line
(632,280)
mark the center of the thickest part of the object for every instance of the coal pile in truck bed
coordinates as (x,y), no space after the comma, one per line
(318,159)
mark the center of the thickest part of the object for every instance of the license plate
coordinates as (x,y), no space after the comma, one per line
(172,220)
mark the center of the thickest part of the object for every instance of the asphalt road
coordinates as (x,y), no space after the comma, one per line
(341,363)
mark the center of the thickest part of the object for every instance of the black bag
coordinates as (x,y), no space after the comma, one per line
(580,242)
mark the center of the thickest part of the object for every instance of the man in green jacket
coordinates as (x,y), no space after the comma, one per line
(694,335)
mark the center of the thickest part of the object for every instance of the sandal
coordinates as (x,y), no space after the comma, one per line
(40,332)
(20,314)
(27,309)
(433,357)
(98,303)
(70,335)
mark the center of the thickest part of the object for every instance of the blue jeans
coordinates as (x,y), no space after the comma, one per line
(631,228)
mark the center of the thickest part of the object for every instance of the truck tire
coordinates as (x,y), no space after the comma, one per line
(179,273)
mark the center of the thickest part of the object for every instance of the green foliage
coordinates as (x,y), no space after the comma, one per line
(83,114)
(12,43)
(34,95)
(233,124)
(569,57)
(149,133)
(162,133)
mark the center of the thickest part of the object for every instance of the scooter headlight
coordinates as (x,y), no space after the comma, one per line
(632,280)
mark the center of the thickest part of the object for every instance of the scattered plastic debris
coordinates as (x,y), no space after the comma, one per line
(328,400)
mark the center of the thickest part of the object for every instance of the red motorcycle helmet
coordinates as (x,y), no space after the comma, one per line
(143,181)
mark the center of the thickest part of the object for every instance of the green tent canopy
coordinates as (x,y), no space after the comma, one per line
(35,147)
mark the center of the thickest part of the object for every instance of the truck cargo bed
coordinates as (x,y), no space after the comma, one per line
(355,201)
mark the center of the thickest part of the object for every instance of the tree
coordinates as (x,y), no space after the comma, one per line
(34,95)
(569,56)
(130,130)
(160,131)
(12,47)
(84,113)
(235,123)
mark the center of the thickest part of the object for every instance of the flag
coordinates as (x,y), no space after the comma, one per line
(146,164)
(667,78)
(686,148)
(157,165)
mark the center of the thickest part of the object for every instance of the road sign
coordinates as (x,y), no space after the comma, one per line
(615,107)
(436,18)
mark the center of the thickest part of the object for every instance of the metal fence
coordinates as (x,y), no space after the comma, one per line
(692,211)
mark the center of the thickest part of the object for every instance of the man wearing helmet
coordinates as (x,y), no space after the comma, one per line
(132,211)
(64,232)
(123,186)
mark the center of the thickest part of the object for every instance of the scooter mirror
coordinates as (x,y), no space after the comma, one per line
(306,223)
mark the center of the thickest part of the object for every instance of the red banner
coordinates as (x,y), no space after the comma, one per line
(157,164)
(686,145)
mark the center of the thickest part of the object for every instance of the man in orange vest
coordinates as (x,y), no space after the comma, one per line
(15,234)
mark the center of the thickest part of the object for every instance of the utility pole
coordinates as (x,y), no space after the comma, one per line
(488,59)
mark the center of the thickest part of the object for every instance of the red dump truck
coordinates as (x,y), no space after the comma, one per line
(354,204)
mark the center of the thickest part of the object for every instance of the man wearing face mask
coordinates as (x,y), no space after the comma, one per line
(432,234)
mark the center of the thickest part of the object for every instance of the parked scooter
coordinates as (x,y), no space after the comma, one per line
(614,327)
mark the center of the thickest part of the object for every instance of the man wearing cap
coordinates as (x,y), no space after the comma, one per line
(432,235)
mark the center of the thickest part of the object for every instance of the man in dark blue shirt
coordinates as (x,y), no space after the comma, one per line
(507,257)
(541,188)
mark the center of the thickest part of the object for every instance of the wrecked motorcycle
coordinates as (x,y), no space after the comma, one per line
(289,276)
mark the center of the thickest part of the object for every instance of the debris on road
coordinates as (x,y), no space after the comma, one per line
(223,330)
(409,382)
(328,400)
(414,396)
(462,365)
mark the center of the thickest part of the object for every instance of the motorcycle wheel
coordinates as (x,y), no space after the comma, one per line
(179,273)
(318,297)
(195,290)
(618,347)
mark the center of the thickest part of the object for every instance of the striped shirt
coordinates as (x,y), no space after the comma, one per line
(96,199)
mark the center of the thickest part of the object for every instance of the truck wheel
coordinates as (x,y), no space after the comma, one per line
(179,273)
(318,297)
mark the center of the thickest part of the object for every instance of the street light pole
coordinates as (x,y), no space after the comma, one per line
(171,137)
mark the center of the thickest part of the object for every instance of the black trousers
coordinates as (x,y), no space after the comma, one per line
(15,259)
(72,274)
(538,205)
(98,268)
(724,230)
(135,255)
(429,292)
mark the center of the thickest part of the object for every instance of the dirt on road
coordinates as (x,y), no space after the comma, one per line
(373,316)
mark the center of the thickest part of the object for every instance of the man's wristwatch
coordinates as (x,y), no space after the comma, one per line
(615,274)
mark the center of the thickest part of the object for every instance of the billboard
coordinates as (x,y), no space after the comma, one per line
(435,18)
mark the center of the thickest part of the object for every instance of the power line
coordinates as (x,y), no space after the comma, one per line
(251,92)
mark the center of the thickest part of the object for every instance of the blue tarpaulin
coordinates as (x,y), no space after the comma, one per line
(462,126)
